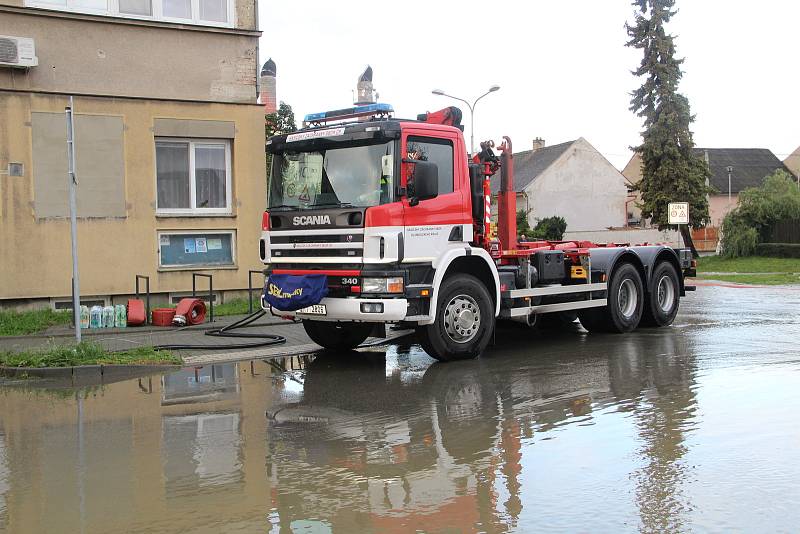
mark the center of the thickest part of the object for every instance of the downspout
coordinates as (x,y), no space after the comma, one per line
(258,55)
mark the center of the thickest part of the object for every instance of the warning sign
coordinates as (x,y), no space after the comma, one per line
(678,213)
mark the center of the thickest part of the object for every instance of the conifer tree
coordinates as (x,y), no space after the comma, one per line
(670,171)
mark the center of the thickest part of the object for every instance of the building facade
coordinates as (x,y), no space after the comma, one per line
(732,171)
(169,144)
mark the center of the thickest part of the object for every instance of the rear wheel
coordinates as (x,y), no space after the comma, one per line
(625,304)
(338,335)
(663,298)
(464,320)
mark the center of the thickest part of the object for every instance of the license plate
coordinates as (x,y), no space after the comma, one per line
(316,309)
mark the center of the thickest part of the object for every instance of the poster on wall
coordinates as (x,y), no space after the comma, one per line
(214,244)
(189,245)
(200,244)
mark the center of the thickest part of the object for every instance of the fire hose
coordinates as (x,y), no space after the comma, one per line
(266,340)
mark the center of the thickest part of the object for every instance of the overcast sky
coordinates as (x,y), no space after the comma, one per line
(563,69)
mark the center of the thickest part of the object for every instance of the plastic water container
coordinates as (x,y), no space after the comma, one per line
(120,316)
(108,317)
(84,317)
(96,317)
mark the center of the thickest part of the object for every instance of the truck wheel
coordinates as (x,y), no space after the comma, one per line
(664,296)
(625,304)
(339,335)
(464,320)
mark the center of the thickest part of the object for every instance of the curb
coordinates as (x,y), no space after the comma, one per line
(86,372)
(89,332)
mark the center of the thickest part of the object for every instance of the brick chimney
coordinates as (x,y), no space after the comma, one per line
(538,143)
(268,93)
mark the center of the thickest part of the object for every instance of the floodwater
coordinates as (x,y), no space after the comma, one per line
(690,428)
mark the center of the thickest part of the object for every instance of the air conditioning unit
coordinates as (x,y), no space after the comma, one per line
(17,52)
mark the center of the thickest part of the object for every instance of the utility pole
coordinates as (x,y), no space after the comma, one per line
(73,220)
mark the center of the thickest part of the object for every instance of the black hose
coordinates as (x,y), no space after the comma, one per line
(226,331)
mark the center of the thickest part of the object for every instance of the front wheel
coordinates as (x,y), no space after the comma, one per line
(464,320)
(338,335)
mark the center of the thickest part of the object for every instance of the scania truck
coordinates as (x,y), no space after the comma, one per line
(394,216)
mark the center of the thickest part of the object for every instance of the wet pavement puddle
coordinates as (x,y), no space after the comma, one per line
(689,428)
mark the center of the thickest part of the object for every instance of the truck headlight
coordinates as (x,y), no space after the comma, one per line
(382,285)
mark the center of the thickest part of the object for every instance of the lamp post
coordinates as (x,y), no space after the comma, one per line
(471,107)
(730,171)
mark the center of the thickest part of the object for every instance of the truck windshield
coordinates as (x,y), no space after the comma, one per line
(356,175)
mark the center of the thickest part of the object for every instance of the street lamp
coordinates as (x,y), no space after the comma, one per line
(471,107)
(730,171)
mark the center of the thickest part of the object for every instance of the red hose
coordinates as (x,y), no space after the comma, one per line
(190,311)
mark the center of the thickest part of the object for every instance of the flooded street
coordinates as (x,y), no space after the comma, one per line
(689,428)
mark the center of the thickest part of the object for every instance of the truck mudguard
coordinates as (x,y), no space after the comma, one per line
(644,257)
(442,264)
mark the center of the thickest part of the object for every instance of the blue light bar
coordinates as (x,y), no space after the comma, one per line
(346,113)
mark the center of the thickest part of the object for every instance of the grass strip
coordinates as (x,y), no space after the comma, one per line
(750,264)
(29,322)
(86,353)
(755,279)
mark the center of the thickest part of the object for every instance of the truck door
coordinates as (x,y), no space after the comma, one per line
(430,227)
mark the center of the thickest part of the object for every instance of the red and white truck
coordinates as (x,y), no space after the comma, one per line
(396,215)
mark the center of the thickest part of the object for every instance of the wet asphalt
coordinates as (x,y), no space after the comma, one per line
(694,427)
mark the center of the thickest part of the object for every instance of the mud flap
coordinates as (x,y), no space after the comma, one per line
(378,331)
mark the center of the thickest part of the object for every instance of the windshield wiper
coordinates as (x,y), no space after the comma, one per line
(279,206)
(337,204)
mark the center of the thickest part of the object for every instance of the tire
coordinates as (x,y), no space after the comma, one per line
(625,304)
(464,320)
(663,298)
(338,335)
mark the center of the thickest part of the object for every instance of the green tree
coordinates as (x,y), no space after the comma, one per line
(670,171)
(280,122)
(759,208)
(550,228)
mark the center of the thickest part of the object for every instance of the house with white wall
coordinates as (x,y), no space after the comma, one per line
(571,180)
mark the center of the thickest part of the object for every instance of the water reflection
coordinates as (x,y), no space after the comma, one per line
(449,446)
(555,430)
(3,480)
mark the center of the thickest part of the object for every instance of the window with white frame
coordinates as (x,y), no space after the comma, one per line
(200,12)
(193,177)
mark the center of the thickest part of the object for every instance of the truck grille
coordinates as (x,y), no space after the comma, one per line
(289,246)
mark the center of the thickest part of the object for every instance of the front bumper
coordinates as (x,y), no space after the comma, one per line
(349,309)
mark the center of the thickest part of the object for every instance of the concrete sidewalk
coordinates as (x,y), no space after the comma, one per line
(115,339)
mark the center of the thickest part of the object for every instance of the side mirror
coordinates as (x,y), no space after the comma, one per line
(426,181)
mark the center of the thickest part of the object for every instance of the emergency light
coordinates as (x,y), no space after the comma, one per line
(348,113)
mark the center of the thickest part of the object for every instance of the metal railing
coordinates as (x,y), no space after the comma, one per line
(210,291)
(250,288)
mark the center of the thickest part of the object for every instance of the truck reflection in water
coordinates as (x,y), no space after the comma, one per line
(384,444)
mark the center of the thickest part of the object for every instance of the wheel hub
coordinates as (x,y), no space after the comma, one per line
(665,294)
(462,318)
(627,298)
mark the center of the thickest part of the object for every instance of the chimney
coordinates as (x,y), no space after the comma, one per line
(268,94)
(364,90)
(538,143)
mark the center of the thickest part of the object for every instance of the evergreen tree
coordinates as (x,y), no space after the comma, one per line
(670,171)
